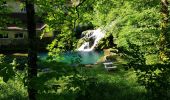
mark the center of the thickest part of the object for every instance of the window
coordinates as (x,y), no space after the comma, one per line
(3,36)
(19,35)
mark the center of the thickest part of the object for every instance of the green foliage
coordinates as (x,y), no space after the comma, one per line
(11,78)
(13,89)
(4,10)
(67,83)
(59,80)
(153,76)
(135,34)
(7,70)
(64,17)
(134,23)
(66,87)
(60,18)
(104,84)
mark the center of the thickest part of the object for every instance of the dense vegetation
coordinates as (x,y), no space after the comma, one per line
(137,29)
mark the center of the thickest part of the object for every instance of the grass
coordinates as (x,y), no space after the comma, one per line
(119,84)
(115,85)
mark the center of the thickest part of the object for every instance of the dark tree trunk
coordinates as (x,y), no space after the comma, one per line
(164,38)
(32,51)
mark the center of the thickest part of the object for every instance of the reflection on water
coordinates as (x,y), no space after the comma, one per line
(78,57)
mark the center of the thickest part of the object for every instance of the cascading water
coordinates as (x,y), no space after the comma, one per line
(96,35)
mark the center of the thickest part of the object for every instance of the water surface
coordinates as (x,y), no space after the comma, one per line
(81,57)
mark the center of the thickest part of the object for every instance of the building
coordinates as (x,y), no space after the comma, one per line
(15,33)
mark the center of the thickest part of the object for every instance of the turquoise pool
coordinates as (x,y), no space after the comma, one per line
(78,57)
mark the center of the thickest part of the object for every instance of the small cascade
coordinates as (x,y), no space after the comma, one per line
(94,36)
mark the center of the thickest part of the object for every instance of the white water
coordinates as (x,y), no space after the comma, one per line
(96,34)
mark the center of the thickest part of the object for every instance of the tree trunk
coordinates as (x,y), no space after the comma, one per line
(32,51)
(164,36)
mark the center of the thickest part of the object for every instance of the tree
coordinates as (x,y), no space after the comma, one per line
(4,11)
(137,33)
(164,36)
(63,17)
(32,51)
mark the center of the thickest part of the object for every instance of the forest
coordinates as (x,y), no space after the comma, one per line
(84,50)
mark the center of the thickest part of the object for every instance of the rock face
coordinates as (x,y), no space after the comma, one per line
(109,55)
(91,38)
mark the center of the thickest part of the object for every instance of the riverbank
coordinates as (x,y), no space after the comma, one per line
(107,53)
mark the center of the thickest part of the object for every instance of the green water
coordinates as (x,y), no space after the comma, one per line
(82,57)
(79,57)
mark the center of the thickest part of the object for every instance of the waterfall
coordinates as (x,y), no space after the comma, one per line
(92,34)
(95,35)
